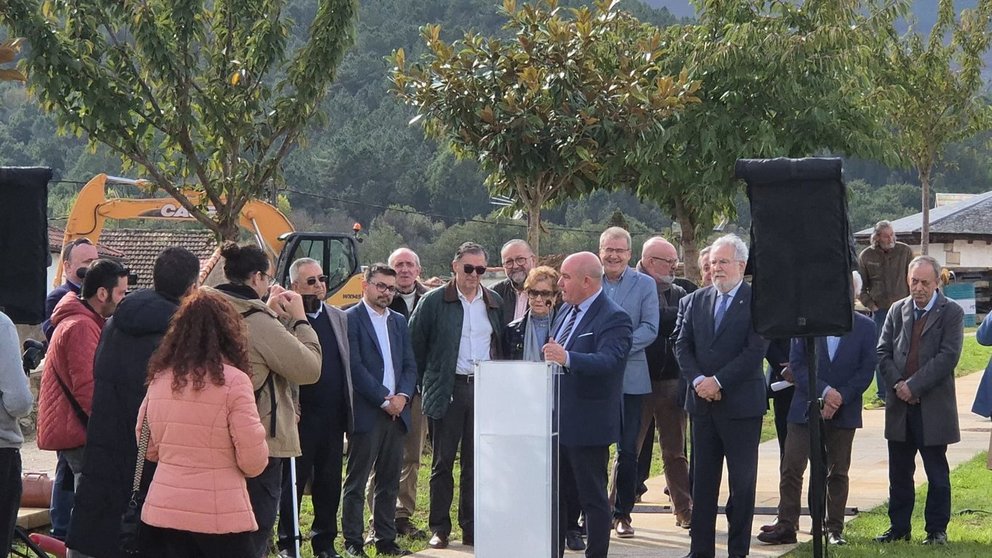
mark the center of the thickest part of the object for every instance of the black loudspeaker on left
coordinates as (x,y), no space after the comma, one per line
(24,253)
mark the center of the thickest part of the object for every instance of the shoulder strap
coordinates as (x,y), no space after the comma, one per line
(76,407)
(268,383)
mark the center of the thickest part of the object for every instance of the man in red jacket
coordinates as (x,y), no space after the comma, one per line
(66,394)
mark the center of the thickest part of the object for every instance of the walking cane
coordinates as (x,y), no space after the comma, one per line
(296,506)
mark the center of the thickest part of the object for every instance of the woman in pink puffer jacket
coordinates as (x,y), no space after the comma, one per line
(205,435)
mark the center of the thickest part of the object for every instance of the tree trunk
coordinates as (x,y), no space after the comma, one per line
(690,252)
(925,230)
(534,225)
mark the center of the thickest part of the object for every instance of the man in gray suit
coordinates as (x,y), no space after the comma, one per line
(920,346)
(637,294)
(720,356)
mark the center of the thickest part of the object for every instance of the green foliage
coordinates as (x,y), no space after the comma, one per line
(866,205)
(778,79)
(551,112)
(197,94)
(933,93)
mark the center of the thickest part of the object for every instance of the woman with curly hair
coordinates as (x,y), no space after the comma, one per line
(205,435)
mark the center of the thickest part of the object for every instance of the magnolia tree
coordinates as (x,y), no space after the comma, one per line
(201,95)
(933,91)
(8,51)
(554,109)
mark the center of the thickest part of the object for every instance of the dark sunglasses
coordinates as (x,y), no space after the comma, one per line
(313,280)
(480,270)
(531,293)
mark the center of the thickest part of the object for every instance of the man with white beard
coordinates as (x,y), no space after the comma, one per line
(883,267)
(518,259)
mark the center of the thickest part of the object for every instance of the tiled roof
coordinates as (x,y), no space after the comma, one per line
(142,246)
(57,235)
(972,216)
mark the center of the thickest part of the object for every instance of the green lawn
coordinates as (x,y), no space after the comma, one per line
(970,530)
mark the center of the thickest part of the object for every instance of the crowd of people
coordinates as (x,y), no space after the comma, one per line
(229,384)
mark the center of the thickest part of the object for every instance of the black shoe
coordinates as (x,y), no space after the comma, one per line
(697,555)
(390,549)
(835,538)
(890,536)
(353,551)
(936,538)
(468,539)
(329,554)
(781,534)
(407,528)
(573,541)
(438,541)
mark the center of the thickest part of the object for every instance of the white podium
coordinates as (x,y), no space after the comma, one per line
(516,460)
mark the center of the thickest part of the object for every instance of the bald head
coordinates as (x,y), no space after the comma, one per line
(581,277)
(659,258)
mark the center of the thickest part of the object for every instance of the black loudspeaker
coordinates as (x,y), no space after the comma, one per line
(24,255)
(801,249)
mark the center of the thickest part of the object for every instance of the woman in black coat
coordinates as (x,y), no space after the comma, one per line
(524,338)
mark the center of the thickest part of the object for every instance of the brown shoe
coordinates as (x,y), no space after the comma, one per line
(781,534)
(769,527)
(407,528)
(623,528)
(684,520)
(438,541)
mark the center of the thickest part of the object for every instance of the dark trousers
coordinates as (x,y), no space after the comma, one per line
(10,486)
(625,464)
(171,543)
(381,448)
(322,445)
(781,403)
(645,456)
(457,428)
(63,498)
(838,443)
(879,317)
(582,479)
(663,409)
(735,440)
(263,491)
(902,466)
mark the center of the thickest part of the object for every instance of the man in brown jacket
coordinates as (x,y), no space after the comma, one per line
(883,269)
(920,347)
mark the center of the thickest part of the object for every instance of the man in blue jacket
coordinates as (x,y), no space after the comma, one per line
(845,366)
(384,373)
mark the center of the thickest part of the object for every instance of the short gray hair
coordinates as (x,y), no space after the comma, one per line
(704,252)
(396,253)
(294,269)
(515,242)
(929,260)
(740,249)
(615,232)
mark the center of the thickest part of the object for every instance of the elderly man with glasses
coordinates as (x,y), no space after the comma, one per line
(454,327)
(518,259)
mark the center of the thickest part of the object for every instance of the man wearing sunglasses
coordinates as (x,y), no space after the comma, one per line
(518,259)
(325,411)
(453,328)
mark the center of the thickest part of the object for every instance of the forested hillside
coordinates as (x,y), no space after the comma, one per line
(366,157)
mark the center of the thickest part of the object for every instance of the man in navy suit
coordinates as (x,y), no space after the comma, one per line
(384,375)
(845,367)
(591,339)
(720,356)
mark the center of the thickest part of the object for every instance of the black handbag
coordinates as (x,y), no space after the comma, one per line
(129,540)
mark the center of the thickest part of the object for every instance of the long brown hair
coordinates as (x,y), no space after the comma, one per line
(205,333)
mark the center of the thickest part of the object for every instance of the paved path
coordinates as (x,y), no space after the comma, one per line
(658,537)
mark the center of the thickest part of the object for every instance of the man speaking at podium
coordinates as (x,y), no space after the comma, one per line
(590,339)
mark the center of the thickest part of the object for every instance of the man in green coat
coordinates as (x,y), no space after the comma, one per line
(454,327)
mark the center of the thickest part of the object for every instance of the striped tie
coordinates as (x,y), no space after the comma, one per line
(567,330)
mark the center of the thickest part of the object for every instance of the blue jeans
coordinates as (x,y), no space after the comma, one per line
(62,500)
(879,317)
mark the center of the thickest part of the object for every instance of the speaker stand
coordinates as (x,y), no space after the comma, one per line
(817,480)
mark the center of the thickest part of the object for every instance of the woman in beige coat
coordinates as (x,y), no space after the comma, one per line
(205,435)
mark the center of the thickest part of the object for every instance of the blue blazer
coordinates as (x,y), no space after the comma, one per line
(591,389)
(637,294)
(983,397)
(850,372)
(368,366)
(733,354)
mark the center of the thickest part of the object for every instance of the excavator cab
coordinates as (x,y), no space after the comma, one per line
(338,257)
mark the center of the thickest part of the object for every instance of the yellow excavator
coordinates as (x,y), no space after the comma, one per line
(337,252)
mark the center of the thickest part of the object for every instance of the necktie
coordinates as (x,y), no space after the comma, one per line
(919,313)
(569,325)
(721,310)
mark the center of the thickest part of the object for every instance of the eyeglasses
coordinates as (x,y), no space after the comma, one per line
(518,261)
(670,261)
(313,280)
(268,278)
(531,293)
(384,288)
(480,270)
(615,251)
